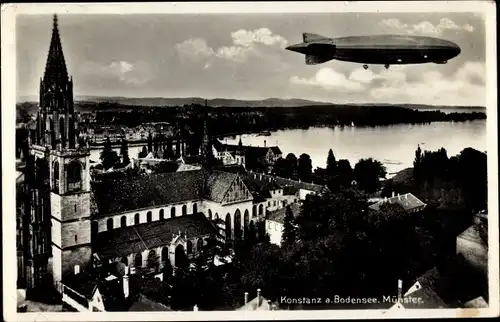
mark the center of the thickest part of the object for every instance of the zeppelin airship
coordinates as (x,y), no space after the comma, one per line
(377,50)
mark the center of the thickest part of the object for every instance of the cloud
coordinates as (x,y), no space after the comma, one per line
(194,49)
(245,44)
(329,79)
(126,72)
(465,86)
(424,27)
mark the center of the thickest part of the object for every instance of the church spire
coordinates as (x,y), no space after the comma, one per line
(55,69)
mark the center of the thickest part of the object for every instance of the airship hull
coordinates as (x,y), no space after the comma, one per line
(383,49)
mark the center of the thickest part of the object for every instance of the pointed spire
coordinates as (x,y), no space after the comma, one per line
(55,69)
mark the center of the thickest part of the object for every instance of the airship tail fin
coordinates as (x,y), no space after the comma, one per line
(315,60)
(308,37)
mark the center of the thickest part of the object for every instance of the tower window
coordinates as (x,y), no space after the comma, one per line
(74,174)
(75,207)
(76,238)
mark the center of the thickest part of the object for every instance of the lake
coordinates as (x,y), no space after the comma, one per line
(394,146)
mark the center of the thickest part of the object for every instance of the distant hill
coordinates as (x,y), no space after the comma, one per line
(222,102)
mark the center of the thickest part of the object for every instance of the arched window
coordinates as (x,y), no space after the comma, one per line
(123,221)
(55,176)
(261,210)
(71,133)
(199,245)
(184,210)
(74,174)
(228,227)
(246,220)
(216,216)
(189,247)
(254,211)
(195,209)
(137,219)
(237,224)
(164,254)
(172,212)
(62,131)
(209,214)
(124,260)
(94,228)
(138,260)
(162,214)
(109,224)
(149,216)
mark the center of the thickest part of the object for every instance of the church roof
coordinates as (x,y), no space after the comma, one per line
(133,239)
(129,194)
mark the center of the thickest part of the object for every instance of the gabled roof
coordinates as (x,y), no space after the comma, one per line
(217,185)
(256,305)
(276,150)
(407,201)
(133,239)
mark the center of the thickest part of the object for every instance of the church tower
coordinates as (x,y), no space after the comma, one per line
(68,164)
(206,143)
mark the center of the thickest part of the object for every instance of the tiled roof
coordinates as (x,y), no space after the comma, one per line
(82,283)
(143,304)
(217,184)
(133,239)
(276,150)
(283,182)
(124,194)
(279,214)
(474,234)
(128,194)
(407,201)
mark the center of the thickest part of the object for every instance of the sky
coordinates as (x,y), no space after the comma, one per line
(243,56)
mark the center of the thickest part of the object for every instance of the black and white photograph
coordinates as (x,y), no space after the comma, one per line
(283,159)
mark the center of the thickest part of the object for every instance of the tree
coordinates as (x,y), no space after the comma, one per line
(143,153)
(345,173)
(292,163)
(367,173)
(124,153)
(150,142)
(108,156)
(417,164)
(288,238)
(304,167)
(331,164)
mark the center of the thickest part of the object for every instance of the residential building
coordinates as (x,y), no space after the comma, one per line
(408,202)
(275,222)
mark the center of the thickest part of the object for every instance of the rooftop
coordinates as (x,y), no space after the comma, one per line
(407,201)
(279,215)
(125,194)
(133,239)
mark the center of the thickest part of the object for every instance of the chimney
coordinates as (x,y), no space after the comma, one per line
(269,304)
(400,290)
(195,308)
(77,269)
(125,283)
(393,193)
(259,299)
(246,298)
(264,143)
